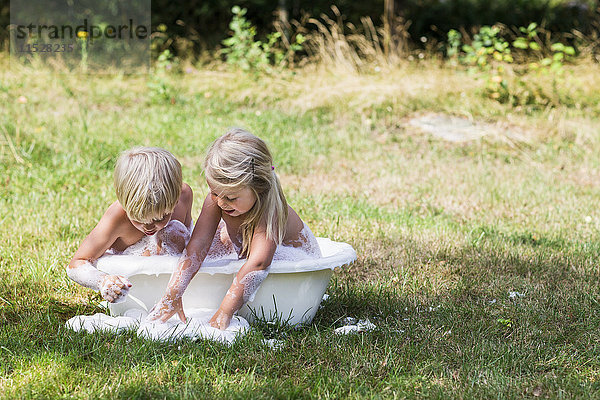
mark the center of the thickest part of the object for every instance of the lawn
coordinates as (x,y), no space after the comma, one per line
(477,260)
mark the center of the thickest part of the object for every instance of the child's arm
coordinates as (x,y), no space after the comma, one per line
(189,263)
(248,279)
(176,238)
(81,270)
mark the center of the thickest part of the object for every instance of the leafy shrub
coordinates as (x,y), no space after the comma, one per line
(490,53)
(486,45)
(244,51)
(160,88)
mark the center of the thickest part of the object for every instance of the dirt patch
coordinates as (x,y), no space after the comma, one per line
(460,129)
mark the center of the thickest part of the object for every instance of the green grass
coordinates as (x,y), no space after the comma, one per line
(443,232)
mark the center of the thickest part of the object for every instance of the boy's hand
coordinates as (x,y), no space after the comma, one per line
(166,308)
(221,319)
(114,288)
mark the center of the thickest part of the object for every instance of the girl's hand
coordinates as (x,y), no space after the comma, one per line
(166,308)
(114,288)
(221,319)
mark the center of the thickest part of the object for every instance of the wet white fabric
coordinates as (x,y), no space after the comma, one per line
(355,327)
(100,322)
(197,326)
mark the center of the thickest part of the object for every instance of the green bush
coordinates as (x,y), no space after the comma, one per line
(244,51)
(490,53)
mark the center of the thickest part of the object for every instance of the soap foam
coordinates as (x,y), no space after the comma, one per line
(174,237)
(86,275)
(221,247)
(108,289)
(173,233)
(148,245)
(304,248)
(197,326)
(251,282)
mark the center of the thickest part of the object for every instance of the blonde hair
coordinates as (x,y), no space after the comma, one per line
(148,182)
(239,159)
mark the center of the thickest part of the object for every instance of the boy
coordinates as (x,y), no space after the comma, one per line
(150,196)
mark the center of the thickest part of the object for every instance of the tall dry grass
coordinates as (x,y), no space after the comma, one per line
(335,43)
(344,46)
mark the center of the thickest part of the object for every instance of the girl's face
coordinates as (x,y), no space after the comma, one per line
(233,202)
(150,228)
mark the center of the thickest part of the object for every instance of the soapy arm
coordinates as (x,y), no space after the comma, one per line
(189,263)
(248,279)
(173,237)
(113,288)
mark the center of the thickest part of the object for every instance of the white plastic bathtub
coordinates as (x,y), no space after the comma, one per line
(291,292)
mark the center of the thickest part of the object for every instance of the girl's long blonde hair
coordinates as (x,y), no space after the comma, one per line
(239,159)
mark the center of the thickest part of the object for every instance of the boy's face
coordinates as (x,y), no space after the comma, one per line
(150,228)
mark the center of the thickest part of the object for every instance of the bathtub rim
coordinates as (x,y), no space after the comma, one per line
(112,264)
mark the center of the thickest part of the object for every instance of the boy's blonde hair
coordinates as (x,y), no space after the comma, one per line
(239,159)
(148,183)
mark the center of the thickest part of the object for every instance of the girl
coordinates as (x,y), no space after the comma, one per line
(257,222)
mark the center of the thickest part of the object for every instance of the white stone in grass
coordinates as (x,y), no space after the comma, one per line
(448,127)
(459,129)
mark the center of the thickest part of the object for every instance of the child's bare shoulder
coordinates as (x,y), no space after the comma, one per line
(183,208)
(115,217)
(294,225)
(187,195)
